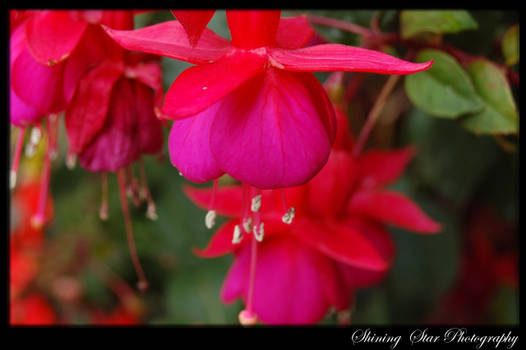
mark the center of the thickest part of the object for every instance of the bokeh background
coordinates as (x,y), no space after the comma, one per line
(467,274)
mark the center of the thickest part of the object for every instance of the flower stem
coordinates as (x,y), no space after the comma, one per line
(374,113)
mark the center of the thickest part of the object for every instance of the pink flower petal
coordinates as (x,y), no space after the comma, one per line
(37,85)
(193,22)
(88,110)
(342,243)
(354,277)
(22,114)
(329,191)
(149,129)
(274,131)
(115,146)
(392,208)
(52,35)
(333,57)
(251,29)
(289,283)
(379,167)
(189,146)
(169,39)
(201,86)
(294,32)
(228,199)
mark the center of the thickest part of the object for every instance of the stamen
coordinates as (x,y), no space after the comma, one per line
(247,224)
(145,194)
(16,158)
(256,203)
(142,284)
(210,219)
(103,210)
(53,135)
(39,218)
(237,235)
(259,232)
(71,161)
(289,215)
(290,212)
(132,189)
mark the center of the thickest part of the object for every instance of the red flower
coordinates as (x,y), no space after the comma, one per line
(250,107)
(32,310)
(337,242)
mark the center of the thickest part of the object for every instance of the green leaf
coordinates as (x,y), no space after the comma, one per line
(450,160)
(510,45)
(414,22)
(445,90)
(500,115)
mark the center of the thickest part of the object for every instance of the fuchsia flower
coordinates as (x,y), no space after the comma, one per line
(50,52)
(250,107)
(337,243)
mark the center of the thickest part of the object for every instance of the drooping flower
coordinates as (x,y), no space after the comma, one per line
(50,51)
(112,121)
(250,107)
(337,243)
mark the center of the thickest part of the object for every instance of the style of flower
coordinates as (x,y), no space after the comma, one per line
(251,107)
(337,243)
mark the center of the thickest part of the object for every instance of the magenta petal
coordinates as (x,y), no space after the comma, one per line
(37,85)
(194,22)
(52,35)
(333,57)
(199,87)
(189,146)
(293,32)
(22,114)
(272,132)
(169,39)
(289,283)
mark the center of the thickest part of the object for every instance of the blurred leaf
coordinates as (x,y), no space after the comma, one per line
(500,115)
(415,22)
(510,45)
(445,90)
(425,265)
(449,159)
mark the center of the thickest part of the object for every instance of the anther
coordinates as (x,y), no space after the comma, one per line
(36,135)
(12,179)
(259,232)
(210,219)
(256,203)
(289,215)
(247,224)
(237,235)
(71,161)
(151,211)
